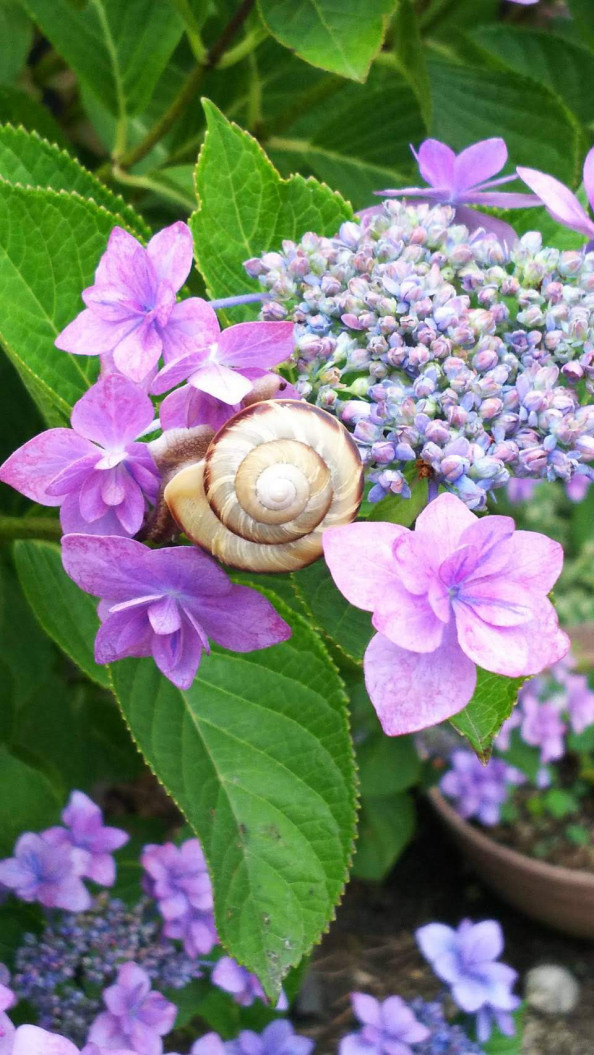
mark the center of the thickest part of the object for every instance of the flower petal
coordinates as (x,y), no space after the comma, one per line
(256,344)
(31,1040)
(360,559)
(116,568)
(137,354)
(242,621)
(192,327)
(221,382)
(33,467)
(89,334)
(171,252)
(113,412)
(440,525)
(560,202)
(512,650)
(478,163)
(436,163)
(413,690)
(407,619)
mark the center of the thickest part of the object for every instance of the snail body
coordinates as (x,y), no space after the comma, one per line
(273,478)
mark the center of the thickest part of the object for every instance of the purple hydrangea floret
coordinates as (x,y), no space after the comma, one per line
(467,959)
(47,870)
(243,986)
(465,179)
(389,1027)
(100,476)
(167,603)
(177,877)
(85,831)
(477,790)
(136,1017)
(131,317)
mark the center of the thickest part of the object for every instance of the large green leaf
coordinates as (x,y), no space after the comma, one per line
(346,626)
(67,614)
(26,651)
(16,35)
(583,13)
(382,119)
(258,755)
(246,208)
(343,37)
(119,48)
(493,701)
(387,765)
(28,159)
(411,56)
(28,799)
(559,64)
(538,128)
(50,244)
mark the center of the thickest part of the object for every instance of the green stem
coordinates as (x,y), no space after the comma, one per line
(147,183)
(193,28)
(188,89)
(29,527)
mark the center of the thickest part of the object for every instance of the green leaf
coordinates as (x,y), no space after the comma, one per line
(28,800)
(386,826)
(387,765)
(16,36)
(583,13)
(564,67)
(341,37)
(397,510)
(16,919)
(20,108)
(119,49)
(246,208)
(348,627)
(538,129)
(382,119)
(19,420)
(50,243)
(258,756)
(411,56)
(67,615)
(26,651)
(31,161)
(560,803)
(493,701)
(75,733)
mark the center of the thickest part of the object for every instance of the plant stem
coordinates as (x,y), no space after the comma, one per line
(188,89)
(46,528)
(232,302)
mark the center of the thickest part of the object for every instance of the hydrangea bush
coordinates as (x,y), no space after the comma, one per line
(432,348)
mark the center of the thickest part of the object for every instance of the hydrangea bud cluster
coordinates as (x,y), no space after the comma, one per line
(447,1038)
(433,344)
(62,971)
(477,790)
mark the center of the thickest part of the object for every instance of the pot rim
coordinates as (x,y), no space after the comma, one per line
(514,858)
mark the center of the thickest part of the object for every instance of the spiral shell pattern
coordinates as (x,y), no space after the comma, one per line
(274,477)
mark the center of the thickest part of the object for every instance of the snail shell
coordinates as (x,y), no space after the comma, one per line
(274,477)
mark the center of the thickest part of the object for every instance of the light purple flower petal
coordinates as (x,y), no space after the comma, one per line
(256,344)
(209,1044)
(436,940)
(112,413)
(560,202)
(412,690)
(73,522)
(31,1040)
(436,163)
(478,163)
(475,221)
(367,1009)
(221,382)
(246,622)
(139,352)
(33,467)
(517,650)
(89,334)
(193,326)
(360,559)
(171,251)
(108,567)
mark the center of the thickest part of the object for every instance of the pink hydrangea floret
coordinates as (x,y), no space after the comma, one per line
(457,593)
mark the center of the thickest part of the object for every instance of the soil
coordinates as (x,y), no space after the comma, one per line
(548,838)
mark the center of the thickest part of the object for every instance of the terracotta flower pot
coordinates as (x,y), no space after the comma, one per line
(561,897)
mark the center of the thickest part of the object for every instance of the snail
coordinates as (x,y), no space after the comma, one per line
(273,478)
